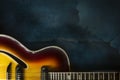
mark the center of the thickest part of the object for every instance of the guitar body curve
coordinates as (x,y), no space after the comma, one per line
(14,54)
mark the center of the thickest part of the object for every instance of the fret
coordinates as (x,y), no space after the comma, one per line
(84,76)
(60,76)
(87,76)
(53,76)
(57,77)
(106,76)
(73,76)
(63,76)
(114,75)
(101,76)
(50,76)
(91,76)
(96,76)
(111,76)
(79,76)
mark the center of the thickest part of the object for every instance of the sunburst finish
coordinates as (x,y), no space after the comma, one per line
(14,54)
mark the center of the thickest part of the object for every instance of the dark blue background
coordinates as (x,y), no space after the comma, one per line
(87,29)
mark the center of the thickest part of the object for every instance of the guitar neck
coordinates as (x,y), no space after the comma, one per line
(84,75)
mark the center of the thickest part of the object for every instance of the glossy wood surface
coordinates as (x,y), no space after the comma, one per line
(14,54)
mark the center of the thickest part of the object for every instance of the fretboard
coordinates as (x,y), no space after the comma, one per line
(84,75)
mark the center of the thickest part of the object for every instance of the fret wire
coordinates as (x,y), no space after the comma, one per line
(81,76)
(63,76)
(114,75)
(98,76)
(53,76)
(93,76)
(103,76)
(57,75)
(77,76)
(72,76)
(50,76)
(60,76)
(89,75)
(85,75)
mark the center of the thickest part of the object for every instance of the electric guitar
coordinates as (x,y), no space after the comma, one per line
(50,63)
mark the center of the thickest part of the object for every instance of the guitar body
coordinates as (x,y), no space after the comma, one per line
(19,63)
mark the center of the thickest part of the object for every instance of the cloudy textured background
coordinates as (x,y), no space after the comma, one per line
(87,29)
